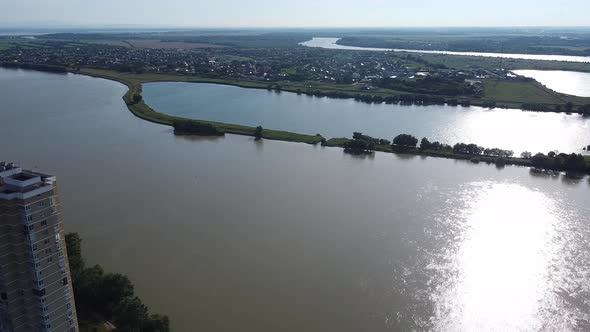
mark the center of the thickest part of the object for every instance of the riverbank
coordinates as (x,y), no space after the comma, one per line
(139,108)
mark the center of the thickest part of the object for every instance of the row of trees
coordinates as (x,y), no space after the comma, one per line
(109,297)
(39,67)
(561,162)
(365,143)
(568,107)
(407,143)
(425,144)
(404,99)
(193,127)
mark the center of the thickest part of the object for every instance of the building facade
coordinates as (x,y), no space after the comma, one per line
(35,285)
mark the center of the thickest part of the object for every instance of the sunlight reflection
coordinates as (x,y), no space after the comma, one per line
(501,261)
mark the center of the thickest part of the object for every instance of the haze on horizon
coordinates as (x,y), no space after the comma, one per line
(303,13)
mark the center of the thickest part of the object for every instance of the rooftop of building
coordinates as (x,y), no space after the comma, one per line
(16,182)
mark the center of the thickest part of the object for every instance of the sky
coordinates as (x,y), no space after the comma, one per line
(300,13)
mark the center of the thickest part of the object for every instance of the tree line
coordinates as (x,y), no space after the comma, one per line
(194,127)
(361,143)
(568,107)
(403,99)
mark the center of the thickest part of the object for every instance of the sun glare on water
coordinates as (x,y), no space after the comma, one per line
(502,274)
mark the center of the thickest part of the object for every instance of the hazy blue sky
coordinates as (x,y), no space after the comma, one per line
(300,13)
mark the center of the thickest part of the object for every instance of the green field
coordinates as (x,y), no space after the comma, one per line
(5,45)
(510,92)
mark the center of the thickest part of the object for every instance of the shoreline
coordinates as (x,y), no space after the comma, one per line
(140,109)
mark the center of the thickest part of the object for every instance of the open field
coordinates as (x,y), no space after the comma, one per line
(109,42)
(511,92)
(5,45)
(155,43)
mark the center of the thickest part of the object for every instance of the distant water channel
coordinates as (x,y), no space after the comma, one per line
(568,82)
(508,129)
(330,43)
(229,234)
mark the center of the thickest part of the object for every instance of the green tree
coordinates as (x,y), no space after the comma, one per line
(425,144)
(137,98)
(74,249)
(405,140)
(526,155)
(258,132)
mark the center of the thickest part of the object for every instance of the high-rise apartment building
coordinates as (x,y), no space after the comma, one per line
(35,285)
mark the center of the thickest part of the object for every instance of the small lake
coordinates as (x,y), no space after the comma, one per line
(503,128)
(568,82)
(330,43)
(230,234)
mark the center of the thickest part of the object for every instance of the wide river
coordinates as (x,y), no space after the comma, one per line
(330,43)
(503,128)
(230,234)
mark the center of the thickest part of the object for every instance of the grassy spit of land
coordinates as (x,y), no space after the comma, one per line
(139,108)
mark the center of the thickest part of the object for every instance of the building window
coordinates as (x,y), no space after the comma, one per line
(48,251)
(27,208)
(3,296)
(39,293)
(41,283)
(45,309)
(31,227)
(49,259)
(35,247)
(64,281)
(46,241)
(44,223)
(29,218)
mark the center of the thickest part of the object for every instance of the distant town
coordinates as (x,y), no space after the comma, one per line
(277,61)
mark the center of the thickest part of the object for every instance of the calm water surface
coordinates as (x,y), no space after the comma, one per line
(230,234)
(507,129)
(331,44)
(568,82)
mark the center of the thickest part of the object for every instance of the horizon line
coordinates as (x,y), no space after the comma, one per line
(29,26)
